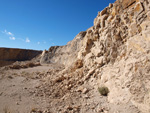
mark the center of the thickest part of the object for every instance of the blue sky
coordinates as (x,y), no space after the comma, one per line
(39,24)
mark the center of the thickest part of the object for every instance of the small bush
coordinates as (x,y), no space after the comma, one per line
(15,67)
(30,64)
(103,90)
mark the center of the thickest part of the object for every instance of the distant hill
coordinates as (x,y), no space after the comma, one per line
(11,55)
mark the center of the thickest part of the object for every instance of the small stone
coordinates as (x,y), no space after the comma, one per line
(70,108)
(104,11)
(80,89)
(110,5)
(86,96)
(1,93)
(10,77)
(104,17)
(89,31)
(127,3)
(148,15)
(85,90)
(138,9)
(134,29)
(99,60)
(24,88)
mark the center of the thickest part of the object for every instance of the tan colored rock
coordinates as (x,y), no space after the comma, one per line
(127,3)
(138,9)
(43,53)
(148,15)
(80,89)
(99,60)
(114,11)
(110,18)
(96,37)
(98,25)
(90,73)
(134,29)
(104,17)
(85,90)
(145,25)
(146,35)
(78,64)
(89,31)
(110,5)
(103,11)
(117,36)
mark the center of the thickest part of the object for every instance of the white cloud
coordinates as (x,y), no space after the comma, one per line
(27,40)
(38,43)
(12,38)
(8,33)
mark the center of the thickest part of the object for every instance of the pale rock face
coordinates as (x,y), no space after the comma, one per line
(118,46)
(138,9)
(104,17)
(127,3)
(148,15)
(43,53)
(64,54)
(99,60)
(133,29)
(103,12)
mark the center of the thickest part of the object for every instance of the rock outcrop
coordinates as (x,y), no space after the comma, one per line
(115,52)
(11,55)
(64,54)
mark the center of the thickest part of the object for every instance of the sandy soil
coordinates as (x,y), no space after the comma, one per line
(17,89)
(33,90)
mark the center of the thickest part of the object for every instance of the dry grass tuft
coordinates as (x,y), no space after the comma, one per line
(103,90)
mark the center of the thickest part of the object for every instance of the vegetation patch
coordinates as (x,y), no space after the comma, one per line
(103,90)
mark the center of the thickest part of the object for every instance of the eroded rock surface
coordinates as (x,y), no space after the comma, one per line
(11,55)
(114,52)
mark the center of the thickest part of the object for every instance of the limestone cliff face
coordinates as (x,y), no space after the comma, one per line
(116,49)
(10,55)
(67,54)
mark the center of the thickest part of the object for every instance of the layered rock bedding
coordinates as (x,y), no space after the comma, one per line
(114,53)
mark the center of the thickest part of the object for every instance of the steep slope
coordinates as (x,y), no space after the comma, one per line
(120,39)
(115,52)
(64,54)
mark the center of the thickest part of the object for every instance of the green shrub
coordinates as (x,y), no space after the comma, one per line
(103,90)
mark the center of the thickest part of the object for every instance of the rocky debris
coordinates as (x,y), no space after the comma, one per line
(85,90)
(127,3)
(113,53)
(120,33)
(64,54)
(24,65)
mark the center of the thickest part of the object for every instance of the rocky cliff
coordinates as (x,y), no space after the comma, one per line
(10,55)
(114,52)
(64,54)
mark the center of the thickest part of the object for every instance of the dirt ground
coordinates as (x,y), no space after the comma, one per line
(42,89)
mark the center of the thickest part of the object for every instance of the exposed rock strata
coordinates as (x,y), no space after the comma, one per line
(10,55)
(64,54)
(115,52)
